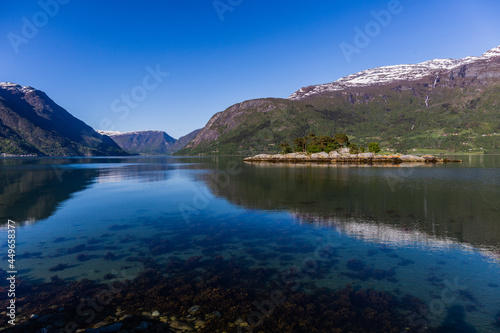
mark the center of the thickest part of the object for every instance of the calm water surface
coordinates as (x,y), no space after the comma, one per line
(429,231)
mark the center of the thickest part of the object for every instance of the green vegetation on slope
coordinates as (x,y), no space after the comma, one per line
(457,119)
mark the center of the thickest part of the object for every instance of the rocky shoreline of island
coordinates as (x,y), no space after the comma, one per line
(344,156)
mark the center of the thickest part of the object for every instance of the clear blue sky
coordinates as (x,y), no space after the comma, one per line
(87,55)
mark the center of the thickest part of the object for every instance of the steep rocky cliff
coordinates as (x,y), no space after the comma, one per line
(32,123)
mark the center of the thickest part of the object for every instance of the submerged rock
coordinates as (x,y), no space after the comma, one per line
(181,326)
(194,309)
(199,323)
(111,328)
(144,325)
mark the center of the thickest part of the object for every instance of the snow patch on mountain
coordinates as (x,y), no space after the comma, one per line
(493,53)
(117,133)
(14,86)
(389,74)
(109,133)
(140,132)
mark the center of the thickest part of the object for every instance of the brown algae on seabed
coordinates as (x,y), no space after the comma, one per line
(209,295)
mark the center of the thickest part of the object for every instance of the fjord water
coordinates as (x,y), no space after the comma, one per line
(430,231)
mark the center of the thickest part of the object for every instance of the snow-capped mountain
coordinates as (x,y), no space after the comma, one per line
(109,133)
(149,142)
(14,86)
(425,105)
(142,142)
(431,69)
(117,133)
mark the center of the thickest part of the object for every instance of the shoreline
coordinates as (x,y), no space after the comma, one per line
(335,157)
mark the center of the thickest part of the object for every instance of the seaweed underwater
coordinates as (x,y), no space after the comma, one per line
(209,295)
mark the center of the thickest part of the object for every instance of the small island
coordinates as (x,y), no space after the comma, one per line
(338,149)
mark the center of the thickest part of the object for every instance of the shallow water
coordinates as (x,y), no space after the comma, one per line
(429,231)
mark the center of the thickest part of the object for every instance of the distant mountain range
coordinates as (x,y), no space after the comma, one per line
(149,142)
(143,142)
(32,123)
(438,104)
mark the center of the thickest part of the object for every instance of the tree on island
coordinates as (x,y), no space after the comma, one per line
(311,143)
(300,144)
(314,144)
(342,139)
(373,147)
(353,148)
(285,148)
